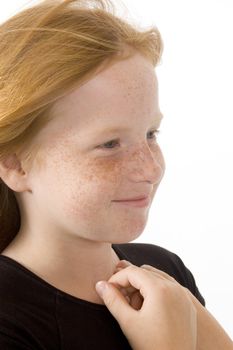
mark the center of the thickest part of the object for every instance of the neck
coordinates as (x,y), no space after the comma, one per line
(72,265)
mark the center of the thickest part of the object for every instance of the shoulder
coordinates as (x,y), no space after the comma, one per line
(142,253)
(162,259)
(20,287)
(26,308)
(159,257)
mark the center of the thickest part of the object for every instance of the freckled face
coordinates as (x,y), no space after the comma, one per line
(80,179)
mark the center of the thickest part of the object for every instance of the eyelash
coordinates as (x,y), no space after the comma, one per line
(155,132)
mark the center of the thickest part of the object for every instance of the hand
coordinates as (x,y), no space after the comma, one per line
(152,309)
(206,324)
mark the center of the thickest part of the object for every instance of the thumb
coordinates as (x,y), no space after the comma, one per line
(115,301)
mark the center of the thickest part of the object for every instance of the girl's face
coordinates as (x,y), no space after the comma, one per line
(100,147)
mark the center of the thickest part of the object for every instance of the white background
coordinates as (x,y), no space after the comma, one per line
(192,211)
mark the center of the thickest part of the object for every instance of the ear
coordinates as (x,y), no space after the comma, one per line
(13,175)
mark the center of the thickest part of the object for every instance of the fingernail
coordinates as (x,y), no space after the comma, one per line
(124,262)
(101,287)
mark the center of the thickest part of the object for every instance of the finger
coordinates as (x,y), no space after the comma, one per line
(129,290)
(133,276)
(132,295)
(126,291)
(158,272)
(115,302)
(118,269)
(123,263)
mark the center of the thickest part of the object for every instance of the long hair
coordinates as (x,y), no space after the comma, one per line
(45,51)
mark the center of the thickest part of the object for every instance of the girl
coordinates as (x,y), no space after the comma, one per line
(79,168)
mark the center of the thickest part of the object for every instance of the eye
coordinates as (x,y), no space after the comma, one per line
(113,143)
(109,144)
(154,133)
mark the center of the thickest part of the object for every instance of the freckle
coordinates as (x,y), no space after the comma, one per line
(104,169)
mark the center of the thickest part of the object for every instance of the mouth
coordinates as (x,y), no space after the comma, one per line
(131,199)
(138,203)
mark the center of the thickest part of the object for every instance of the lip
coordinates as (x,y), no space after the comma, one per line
(138,203)
(131,199)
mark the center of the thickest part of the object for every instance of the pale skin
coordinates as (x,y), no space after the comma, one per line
(68,215)
(69,219)
(168,316)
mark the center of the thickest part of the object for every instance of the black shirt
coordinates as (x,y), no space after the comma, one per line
(36,315)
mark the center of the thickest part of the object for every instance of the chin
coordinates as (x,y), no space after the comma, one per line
(127,237)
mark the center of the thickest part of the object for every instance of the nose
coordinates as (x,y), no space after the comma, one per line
(146,164)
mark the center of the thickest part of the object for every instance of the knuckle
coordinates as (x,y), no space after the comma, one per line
(167,289)
(146,266)
(164,288)
(132,268)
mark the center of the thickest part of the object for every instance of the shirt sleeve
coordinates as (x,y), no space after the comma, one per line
(189,281)
(162,259)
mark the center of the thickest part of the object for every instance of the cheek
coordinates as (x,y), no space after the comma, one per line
(96,182)
(83,187)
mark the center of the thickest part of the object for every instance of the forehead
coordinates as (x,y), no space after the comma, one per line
(123,89)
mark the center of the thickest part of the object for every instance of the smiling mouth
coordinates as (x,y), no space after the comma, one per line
(139,203)
(131,199)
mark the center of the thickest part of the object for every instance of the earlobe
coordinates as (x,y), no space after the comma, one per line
(12,174)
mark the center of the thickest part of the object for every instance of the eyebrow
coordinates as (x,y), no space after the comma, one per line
(118,129)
